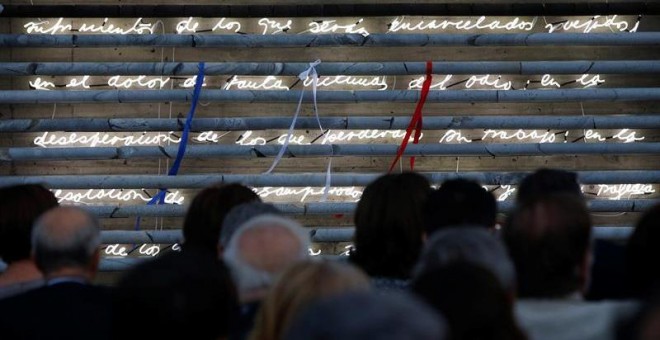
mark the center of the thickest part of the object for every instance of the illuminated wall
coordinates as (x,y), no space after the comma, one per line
(627,174)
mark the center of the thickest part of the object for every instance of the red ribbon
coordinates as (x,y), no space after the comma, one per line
(416,121)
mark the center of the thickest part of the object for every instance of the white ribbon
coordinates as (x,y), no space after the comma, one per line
(328,181)
(302,76)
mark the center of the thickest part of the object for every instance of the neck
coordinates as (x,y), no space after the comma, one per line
(20,271)
(71,272)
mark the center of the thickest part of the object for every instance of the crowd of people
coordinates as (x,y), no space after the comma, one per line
(426,264)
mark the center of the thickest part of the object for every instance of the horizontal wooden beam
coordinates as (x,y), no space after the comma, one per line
(303,179)
(336,208)
(328,40)
(327,150)
(333,68)
(281,96)
(439,8)
(640,121)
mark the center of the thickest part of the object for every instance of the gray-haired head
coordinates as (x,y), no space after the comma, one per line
(367,315)
(241,214)
(65,237)
(475,245)
(261,249)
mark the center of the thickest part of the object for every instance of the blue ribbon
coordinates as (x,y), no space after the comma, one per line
(159,198)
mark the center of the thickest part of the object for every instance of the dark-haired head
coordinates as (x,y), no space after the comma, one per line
(207,211)
(20,206)
(178,294)
(642,252)
(548,239)
(389,225)
(459,202)
(471,299)
(547,181)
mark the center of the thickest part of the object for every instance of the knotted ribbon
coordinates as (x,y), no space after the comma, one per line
(311,70)
(159,198)
(416,120)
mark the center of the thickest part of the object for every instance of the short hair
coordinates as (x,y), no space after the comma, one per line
(389,225)
(547,181)
(548,239)
(473,245)
(20,206)
(368,315)
(201,227)
(179,294)
(65,237)
(298,287)
(459,202)
(247,277)
(472,301)
(241,214)
(642,252)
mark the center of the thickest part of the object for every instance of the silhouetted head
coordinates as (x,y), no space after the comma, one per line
(20,206)
(207,212)
(389,225)
(459,202)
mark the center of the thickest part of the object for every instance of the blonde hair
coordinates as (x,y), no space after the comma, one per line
(301,284)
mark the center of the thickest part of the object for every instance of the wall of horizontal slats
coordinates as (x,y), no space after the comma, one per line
(17,77)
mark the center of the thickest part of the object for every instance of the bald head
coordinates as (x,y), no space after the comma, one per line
(269,247)
(65,237)
(262,249)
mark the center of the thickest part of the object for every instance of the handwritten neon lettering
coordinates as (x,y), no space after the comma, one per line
(90,195)
(274,26)
(589,82)
(548,80)
(481,23)
(142,81)
(453,135)
(627,136)
(508,191)
(486,81)
(350,80)
(544,137)
(190,82)
(40,84)
(591,24)
(74,82)
(225,24)
(187,26)
(138,27)
(246,139)
(176,247)
(350,192)
(342,136)
(42,27)
(99,138)
(116,250)
(269,83)
(591,134)
(624,190)
(440,85)
(331,26)
(149,251)
(293,139)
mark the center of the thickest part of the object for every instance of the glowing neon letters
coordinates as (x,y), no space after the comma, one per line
(91,195)
(359,26)
(401,24)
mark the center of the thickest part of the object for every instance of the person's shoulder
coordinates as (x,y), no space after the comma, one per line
(19,288)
